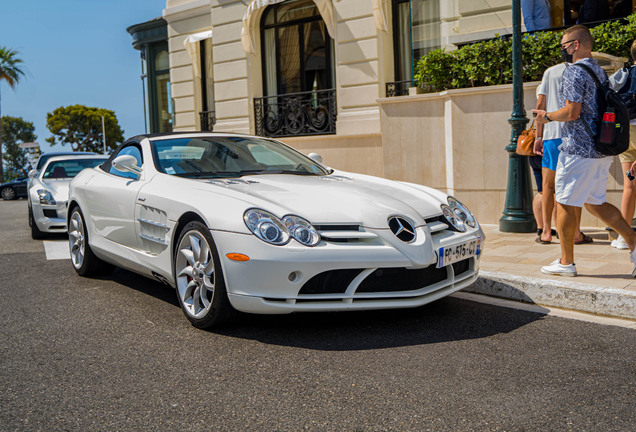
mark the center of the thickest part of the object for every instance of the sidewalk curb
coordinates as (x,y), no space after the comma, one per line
(564,294)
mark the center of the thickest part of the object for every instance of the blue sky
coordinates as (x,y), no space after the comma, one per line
(77,52)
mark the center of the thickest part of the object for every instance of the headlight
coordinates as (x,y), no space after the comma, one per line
(46,197)
(453,219)
(302,230)
(462,212)
(266,227)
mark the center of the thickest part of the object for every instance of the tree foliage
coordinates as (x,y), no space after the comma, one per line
(16,130)
(490,62)
(11,71)
(81,127)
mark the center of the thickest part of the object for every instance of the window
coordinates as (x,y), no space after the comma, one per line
(416,32)
(132,150)
(426,27)
(402,40)
(207,113)
(297,50)
(230,157)
(162,88)
(65,169)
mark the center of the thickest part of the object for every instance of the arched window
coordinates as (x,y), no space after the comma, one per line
(297,49)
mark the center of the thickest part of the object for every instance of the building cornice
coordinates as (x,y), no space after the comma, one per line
(187,10)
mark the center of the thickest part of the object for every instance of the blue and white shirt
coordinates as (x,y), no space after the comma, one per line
(579,87)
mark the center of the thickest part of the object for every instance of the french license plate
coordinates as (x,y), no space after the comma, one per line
(452,254)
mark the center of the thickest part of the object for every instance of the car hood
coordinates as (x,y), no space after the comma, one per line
(339,198)
(59,188)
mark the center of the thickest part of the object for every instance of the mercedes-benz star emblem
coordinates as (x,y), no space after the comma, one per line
(402,229)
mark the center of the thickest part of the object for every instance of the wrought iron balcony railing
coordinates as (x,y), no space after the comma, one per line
(208,119)
(296,114)
(398,88)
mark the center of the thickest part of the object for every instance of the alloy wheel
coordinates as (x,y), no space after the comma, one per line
(195,274)
(77,239)
(8,193)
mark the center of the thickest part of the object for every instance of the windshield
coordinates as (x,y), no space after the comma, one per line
(212,157)
(69,168)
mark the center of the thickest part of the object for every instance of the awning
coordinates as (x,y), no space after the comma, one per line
(190,44)
(379,14)
(325,7)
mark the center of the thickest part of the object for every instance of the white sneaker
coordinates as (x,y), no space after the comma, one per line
(632,258)
(620,243)
(556,268)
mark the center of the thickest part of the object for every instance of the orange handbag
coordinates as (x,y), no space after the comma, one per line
(525,143)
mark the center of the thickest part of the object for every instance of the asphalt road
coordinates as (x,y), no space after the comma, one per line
(117,354)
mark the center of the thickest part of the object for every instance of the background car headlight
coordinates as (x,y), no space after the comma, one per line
(266,227)
(302,230)
(453,219)
(46,197)
(462,212)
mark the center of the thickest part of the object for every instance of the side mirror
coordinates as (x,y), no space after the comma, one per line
(33,174)
(315,156)
(126,163)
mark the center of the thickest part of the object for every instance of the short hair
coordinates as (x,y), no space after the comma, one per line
(633,50)
(581,34)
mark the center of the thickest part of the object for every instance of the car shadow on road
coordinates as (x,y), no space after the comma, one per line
(448,319)
(144,285)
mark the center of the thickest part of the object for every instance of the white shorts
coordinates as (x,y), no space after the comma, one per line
(581,180)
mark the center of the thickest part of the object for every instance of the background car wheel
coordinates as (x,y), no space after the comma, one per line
(84,260)
(199,279)
(8,193)
(36,234)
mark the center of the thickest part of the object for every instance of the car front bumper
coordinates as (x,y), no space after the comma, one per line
(50,218)
(344,276)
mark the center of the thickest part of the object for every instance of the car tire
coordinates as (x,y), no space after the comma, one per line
(199,280)
(8,194)
(83,259)
(36,234)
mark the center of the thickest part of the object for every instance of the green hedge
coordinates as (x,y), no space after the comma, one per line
(490,62)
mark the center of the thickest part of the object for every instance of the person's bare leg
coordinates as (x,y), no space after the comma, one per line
(536,210)
(628,203)
(614,219)
(567,219)
(547,203)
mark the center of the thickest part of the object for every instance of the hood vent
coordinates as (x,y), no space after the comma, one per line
(232,182)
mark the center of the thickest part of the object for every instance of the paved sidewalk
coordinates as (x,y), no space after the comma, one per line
(511,268)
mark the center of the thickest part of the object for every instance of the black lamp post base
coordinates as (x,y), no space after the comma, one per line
(517,224)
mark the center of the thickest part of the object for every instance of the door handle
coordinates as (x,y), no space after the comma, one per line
(141,199)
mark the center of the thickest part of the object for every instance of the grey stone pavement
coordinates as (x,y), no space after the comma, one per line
(511,268)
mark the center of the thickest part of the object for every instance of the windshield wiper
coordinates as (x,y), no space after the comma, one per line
(217,174)
(276,171)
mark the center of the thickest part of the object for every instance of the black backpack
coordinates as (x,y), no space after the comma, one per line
(628,92)
(608,98)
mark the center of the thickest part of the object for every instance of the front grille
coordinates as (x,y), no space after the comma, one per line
(50,213)
(461,267)
(330,282)
(401,279)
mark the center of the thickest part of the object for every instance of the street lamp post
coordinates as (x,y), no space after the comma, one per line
(517,215)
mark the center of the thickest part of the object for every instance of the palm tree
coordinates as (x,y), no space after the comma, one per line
(11,72)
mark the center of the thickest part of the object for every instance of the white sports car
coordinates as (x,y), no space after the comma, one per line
(48,192)
(244,223)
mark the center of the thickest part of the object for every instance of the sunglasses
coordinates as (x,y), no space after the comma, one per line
(564,45)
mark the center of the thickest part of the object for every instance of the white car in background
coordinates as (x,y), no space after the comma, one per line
(48,191)
(245,223)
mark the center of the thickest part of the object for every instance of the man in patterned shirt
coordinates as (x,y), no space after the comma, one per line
(582,172)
